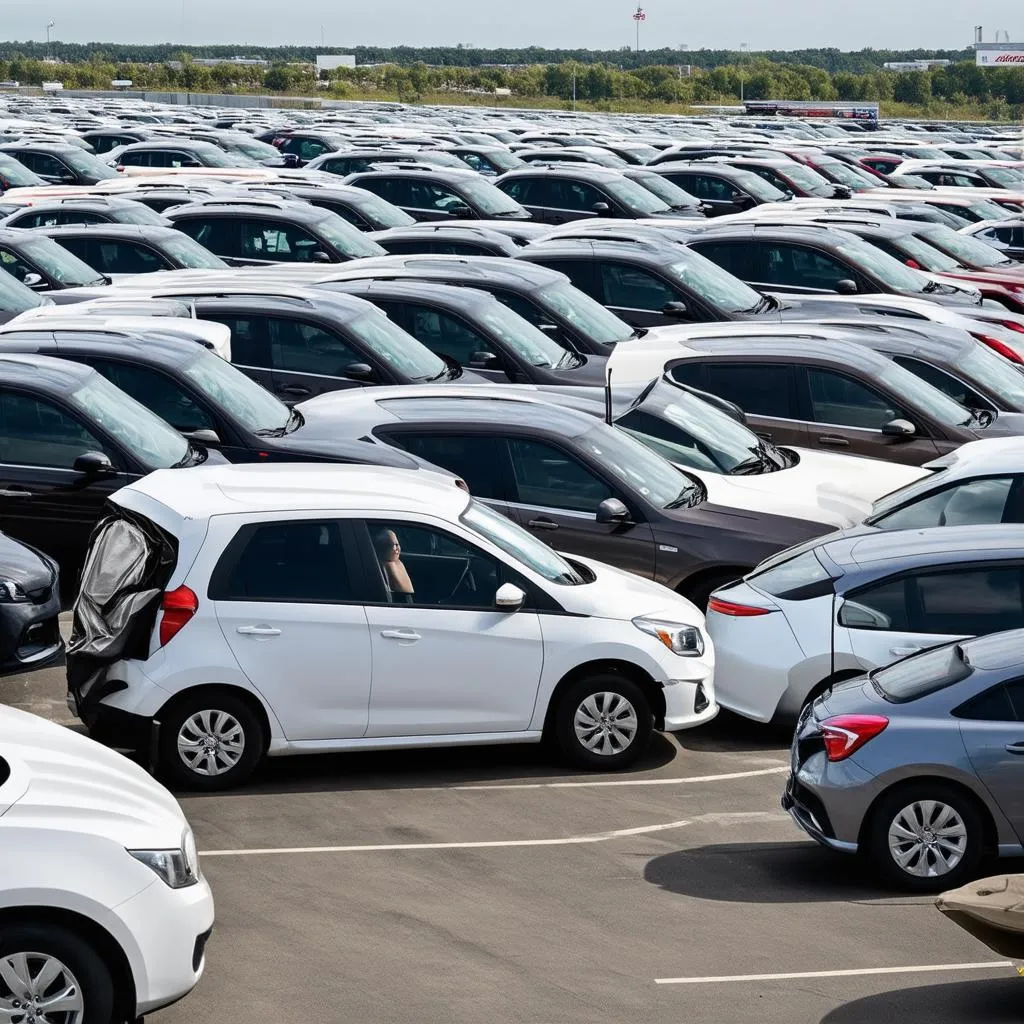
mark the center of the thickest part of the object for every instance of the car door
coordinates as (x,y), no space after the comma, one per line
(44,500)
(992,729)
(846,413)
(913,611)
(285,594)
(556,497)
(766,392)
(446,661)
(641,297)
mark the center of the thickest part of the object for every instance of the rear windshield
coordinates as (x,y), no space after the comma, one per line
(803,576)
(921,675)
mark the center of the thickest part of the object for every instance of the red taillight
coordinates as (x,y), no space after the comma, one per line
(178,607)
(913,264)
(1010,325)
(844,734)
(999,346)
(716,604)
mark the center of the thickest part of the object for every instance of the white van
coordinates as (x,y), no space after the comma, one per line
(104,914)
(242,611)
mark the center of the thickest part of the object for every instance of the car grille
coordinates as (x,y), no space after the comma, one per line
(200,949)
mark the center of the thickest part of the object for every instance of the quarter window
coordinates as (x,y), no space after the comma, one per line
(158,393)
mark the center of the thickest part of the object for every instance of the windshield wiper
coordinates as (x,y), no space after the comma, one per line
(192,457)
(931,286)
(638,332)
(294,421)
(689,497)
(762,305)
(570,361)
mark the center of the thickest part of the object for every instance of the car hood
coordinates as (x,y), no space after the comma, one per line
(590,374)
(616,594)
(836,490)
(23,565)
(60,779)
(1010,278)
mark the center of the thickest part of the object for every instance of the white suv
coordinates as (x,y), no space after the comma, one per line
(104,914)
(242,611)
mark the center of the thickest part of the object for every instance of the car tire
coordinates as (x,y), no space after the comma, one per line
(951,843)
(603,712)
(210,716)
(80,966)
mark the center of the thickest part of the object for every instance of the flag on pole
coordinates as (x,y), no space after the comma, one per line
(641,15)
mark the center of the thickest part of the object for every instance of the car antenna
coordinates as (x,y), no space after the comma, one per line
(608,397)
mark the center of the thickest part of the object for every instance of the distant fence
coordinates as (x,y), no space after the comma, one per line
(194,99)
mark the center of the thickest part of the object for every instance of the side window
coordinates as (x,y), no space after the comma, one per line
(15,265)
(121,257)
(43,163)
(441,333)
(945,382)
(629,287)
(310,149)
(524,307)
(809,268)
(577,195)
(421,565)
(703,186)
(250,340)
(478,460)
(840,400)
(761,389)
(33,220)
(138,158)
(524,190)
(278,241)
(299,562)
(304,348)
(218,234)
(731,256)
(479,165)
(580,272)
(394,190)
(158,392)
(974,503)
(994,705)
(77,217)
(428,196)
(547,477)
(34,432)
(347,213)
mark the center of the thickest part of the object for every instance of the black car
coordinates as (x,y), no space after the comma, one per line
(445,239)
(161,196)
(29,608)
(362,209)
(60,163)
(177,152)
(14,174)
(677,199)
(441,194)
(789,176)
(299,146)
(51,213)
(477,331)
(721,188)
(487,160)
(578,484)
(250,232)
(546,298)
(68,440)
(103,140)
(40,264)
(555,195)
(813,258)
(353,161)
(131,249)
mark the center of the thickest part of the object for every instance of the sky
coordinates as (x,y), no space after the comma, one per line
(599,24)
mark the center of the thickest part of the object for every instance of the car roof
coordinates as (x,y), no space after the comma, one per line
(413,288)
(165,348)
(565,170)
(242,207)
(648,249)
(54,374)
(140,232)
(983,457)
(789,232)
(42,147)
(294,487)
(453,173)
(486,269)
(836,350)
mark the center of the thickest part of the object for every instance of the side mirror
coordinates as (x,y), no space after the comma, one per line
(678,308)
(899,429)
(551,330)
(33,280)
(842,192)
(358,371)
(742,200)
(69,178)
(482,360)
(461,210)
(847,287)
(319,256)
(206,437)
(93,464)
(612,511)
(601,209)
(509,598)
(291,160)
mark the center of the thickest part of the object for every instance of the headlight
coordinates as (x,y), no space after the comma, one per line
(177,868)
(11,592)
(686,641)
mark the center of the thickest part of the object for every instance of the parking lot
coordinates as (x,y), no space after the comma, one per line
(488,885)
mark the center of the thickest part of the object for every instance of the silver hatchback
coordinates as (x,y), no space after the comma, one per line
(918,766)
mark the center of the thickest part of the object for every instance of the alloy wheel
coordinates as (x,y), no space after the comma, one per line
(36,988)
(928,839)
(211,742)
(605,723)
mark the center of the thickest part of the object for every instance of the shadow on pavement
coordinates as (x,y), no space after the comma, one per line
(735,733)
(797,872)
(964,1002)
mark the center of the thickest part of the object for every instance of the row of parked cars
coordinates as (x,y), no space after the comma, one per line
(445,428)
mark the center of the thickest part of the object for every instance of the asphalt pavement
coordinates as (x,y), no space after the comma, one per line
(489,885)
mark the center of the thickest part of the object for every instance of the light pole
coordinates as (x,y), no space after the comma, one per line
(743,50)
(49,25)
(639,15)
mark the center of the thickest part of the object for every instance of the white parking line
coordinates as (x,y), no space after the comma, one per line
(919,969)
(628,782)
(600,837)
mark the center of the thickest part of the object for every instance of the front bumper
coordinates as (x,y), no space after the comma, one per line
(30,632)
(689,703)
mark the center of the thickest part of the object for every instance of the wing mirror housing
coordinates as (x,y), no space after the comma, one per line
(676,309)
(601,209)
(509,598)
(93,464)
(461,211)
(358,371)
(33,280)
(612,511)
(482,360)
(847,287)
(206,437)
(902,430)
(319,256)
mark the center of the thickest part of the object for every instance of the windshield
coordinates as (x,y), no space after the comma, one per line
(922,395)
(667,191)
(758,187)
(253,149)
(635,197)
(925,255)
(519,544)
(847,175)
(380,212)
(189,253)
(587,315)
(143,433)
(886,268)
(986,209)
(254,406)
(14,296)
(693,433)
(503,160)
(346,239)
(809,180)
(638,468)
(139,213)
(57,262)
(715,285)
(212,156)
(528,342)
(906,494)
(970,251)
(491,201)
(87,164)
(401,351)
(981,364)
(1004,176)
(14,174)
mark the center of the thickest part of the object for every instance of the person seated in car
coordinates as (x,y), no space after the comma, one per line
(389,552)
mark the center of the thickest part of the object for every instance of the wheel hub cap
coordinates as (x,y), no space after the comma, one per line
(36,988)
(927,839)
(605,723)
(211,742)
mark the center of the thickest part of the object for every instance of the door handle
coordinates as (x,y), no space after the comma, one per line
(833,441)
(15,492)
(543,524)
(903,652)
(258,631)
(295,389)
(1015,748)
(400,634)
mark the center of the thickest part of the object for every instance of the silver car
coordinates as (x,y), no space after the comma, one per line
(918,766)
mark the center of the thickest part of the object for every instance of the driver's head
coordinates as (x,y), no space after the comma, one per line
(387,546)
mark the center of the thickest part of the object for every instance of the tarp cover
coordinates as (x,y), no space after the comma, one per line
(992,910)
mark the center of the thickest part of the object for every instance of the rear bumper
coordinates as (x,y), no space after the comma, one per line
(114,727)
(810,817)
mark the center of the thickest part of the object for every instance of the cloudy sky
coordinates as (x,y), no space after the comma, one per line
(781,24)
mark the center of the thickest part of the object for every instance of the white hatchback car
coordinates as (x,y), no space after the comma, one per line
(104,914)
(288,609)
